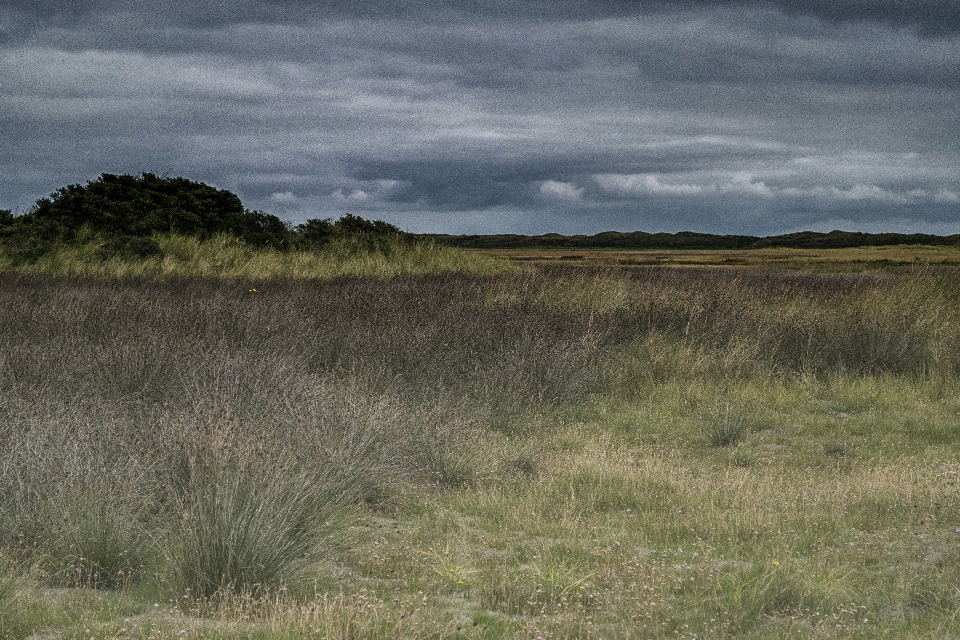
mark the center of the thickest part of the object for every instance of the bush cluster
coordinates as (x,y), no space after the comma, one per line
(125,212)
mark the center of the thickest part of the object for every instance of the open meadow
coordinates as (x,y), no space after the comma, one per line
(787,258)
(471,448)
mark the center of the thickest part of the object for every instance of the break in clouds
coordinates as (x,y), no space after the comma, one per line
(494,117)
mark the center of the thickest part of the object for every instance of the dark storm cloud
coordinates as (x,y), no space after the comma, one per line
(928,17)
(571,116)
(932,16)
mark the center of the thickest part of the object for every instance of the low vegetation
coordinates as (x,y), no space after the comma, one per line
(218,442)
(558,452)
(847,260)
(690,241)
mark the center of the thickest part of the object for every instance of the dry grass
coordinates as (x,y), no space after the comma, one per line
(851,259)
(228,257)
(522,454)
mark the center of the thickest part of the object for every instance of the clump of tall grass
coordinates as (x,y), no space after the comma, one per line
(377,443)
(446,454)
(93,540)
(725,428)
(246,529)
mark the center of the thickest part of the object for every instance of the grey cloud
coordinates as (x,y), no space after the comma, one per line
(928,16)
(676,47)
(932,18)
(729,116)
(761,47)
(450,184)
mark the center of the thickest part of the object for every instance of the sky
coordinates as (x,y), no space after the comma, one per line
(500,116)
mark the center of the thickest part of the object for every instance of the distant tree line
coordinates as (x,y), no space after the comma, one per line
(126,211)
(691,240)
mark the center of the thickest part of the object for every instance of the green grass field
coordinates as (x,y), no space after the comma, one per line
(469,449)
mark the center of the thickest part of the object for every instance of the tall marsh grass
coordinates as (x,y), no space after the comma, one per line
(214,437)
(724,322)
(228,257)
(92,538)
(250,530)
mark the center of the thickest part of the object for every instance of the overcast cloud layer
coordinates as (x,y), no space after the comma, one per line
(526,116)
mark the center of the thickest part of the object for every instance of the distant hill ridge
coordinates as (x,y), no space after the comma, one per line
(691,240)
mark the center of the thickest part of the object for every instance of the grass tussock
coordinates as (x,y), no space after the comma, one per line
(724,428)
(250,530)
(566,452)
(93,538)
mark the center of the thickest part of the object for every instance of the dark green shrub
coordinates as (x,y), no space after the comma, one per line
(123,207)
(126,205)
(260,229)
(24,245)
(129,248)
(366,234)
(351,225)
(315,233)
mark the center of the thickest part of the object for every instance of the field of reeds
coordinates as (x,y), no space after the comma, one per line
(478,451)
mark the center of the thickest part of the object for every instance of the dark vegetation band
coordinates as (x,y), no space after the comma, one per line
(126,211)
(692,240)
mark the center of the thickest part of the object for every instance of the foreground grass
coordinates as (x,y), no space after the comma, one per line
(838,515)
(498,482)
